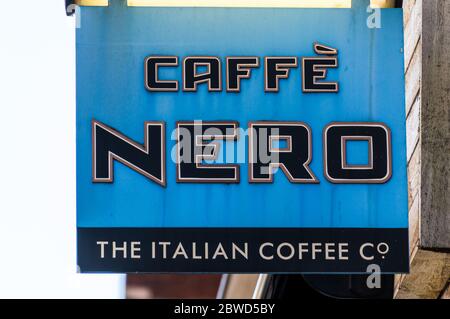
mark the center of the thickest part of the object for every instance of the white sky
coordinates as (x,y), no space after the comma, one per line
(37,163)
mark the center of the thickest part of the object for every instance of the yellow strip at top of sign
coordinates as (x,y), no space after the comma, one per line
(92,3)
(241,3)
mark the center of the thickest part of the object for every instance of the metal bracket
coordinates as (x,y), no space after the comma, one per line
(91,3)
(68,4)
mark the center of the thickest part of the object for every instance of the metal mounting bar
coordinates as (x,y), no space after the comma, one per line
(89,3)
(234,3)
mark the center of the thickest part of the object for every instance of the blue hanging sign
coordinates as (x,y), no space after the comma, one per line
(241,140)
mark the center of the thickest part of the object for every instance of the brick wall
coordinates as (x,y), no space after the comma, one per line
(412,11)
(413,75)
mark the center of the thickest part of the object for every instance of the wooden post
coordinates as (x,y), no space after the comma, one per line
(435,125)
